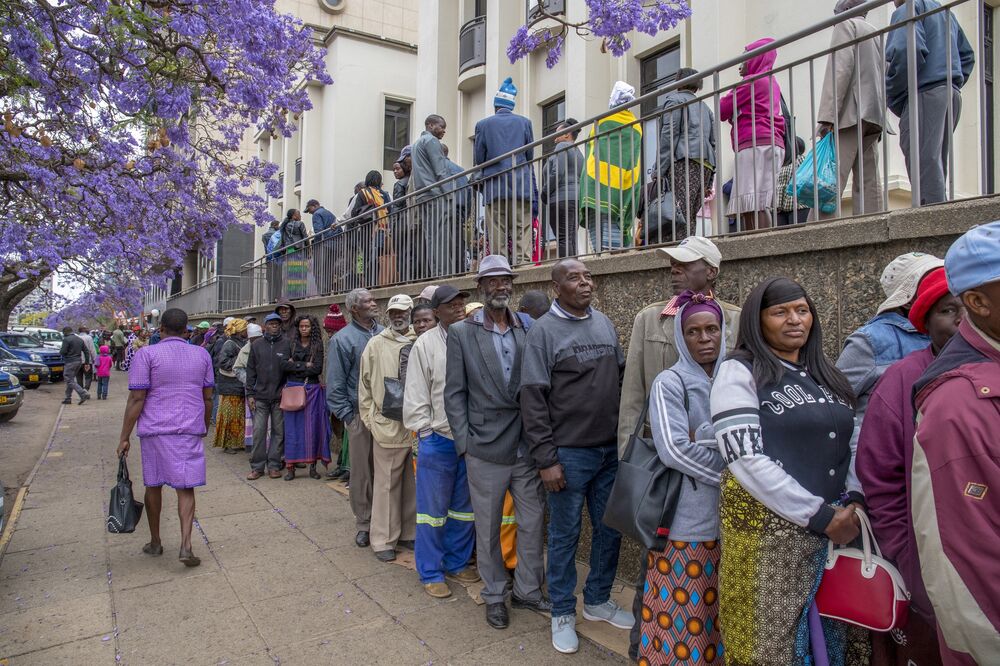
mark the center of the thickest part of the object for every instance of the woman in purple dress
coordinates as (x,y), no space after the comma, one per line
(307,431)
(170,397)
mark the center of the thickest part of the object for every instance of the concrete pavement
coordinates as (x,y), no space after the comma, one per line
(280,582)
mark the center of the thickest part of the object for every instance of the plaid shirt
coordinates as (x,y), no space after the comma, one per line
(785,200)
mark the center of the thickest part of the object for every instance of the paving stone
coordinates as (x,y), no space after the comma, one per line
(394,643)
(310,614)
(45,626)
(94,650)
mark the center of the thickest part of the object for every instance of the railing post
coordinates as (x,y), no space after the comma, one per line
(913,96)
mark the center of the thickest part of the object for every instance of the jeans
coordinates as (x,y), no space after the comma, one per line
(590,473)
(102,386)
(611,233)
(261,455)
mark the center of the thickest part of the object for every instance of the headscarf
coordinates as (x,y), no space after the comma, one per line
(696,303)
(236,327)
(622,93)
(781,290)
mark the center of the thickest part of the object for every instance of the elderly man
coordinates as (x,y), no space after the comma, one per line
(380,404)
(445,530)
(694,265)
(955,460)
(343,361)
(570,389)
(170,398)
(481,400)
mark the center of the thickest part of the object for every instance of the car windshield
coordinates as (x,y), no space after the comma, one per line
(6,355)
(25,341)
(50,336)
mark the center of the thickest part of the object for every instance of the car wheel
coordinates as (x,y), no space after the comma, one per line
(8,416)
(30,386)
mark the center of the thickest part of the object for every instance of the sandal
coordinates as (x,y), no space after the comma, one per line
(189,559)
(154,549)
(313,474)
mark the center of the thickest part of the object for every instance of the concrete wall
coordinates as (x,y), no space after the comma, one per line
(838,263)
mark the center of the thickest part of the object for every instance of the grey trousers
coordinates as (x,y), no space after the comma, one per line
(69,374)
(260,455)
(934,139)
(866,189)
(488,483)
(359,449)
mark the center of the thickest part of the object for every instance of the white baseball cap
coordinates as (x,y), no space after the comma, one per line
(399,302)
(902,276)
(694,248)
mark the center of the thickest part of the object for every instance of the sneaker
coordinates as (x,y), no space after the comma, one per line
(564,638)
(466,576)
(437,590)
(611,613)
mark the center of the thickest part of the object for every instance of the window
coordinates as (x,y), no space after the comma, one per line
(397,131)
(533,8)
(553,113)
(657,71)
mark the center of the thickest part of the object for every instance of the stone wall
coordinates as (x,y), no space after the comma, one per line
(838,263)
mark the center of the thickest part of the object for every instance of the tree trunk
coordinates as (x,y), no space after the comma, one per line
(12,293)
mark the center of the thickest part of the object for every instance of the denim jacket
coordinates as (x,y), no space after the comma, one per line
(883,340)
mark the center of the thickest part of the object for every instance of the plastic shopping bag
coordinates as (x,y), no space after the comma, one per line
(817,188)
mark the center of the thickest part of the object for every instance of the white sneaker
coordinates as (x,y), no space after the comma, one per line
(611,613)
(564,638)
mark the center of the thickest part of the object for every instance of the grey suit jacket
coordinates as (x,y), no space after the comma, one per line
(484,412)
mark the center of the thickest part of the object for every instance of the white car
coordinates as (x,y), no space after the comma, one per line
(50,337)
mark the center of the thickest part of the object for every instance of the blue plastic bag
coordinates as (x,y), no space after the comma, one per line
(819,188)
(274,242)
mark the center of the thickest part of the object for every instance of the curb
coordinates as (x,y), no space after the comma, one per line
(15,512)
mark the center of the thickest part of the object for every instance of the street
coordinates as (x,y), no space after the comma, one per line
(280,581)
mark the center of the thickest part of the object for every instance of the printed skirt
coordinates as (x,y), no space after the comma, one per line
(230,422)
(680,606)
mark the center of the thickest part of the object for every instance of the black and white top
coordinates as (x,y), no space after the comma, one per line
(788,444)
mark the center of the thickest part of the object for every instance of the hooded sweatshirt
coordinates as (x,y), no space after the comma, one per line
(104,362)
(288,329)
(754,109)
(685,439)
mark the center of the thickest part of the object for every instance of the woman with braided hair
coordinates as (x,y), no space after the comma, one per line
(307,431)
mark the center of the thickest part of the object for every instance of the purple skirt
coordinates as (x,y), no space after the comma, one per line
(307,431)
(177,461)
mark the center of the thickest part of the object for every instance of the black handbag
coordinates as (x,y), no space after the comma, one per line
(644,497)
(392,401)
(124,512)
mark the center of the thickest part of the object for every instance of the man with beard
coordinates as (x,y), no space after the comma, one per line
(394,506)
(481,401)
(343,360)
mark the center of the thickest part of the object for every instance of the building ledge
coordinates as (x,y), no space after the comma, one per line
(337,31)
(473,78)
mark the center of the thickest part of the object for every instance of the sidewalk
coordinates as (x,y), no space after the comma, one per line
(281,580)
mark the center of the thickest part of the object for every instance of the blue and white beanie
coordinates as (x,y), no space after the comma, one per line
(506,96)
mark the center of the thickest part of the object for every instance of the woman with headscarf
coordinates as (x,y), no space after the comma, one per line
(681,421)
(758,137)
(307,431)
(784,418)
(374,231)
(230,421)
(611,182)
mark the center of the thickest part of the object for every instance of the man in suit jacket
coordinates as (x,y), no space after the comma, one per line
(483,379)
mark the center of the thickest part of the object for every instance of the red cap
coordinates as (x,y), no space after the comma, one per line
(932,288)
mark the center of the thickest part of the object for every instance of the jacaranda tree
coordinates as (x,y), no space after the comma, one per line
(122,125)
(611,21)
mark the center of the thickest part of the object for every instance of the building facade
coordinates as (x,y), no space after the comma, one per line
(462,61)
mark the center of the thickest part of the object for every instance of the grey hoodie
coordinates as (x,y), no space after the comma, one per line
(697,516)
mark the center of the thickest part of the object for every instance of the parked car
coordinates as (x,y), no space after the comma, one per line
(11,396)
(50,337)
(29,348)
(30,373)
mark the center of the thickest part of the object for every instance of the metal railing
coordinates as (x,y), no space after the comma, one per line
(472,44)
(217,294)
(624,181)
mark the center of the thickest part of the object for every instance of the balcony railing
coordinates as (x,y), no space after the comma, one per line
(472,44)
(216,295)
(642,185)
(534,8)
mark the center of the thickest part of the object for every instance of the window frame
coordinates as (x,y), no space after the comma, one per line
(390,153)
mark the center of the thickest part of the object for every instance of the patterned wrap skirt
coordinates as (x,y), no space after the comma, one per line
(307,431)
(770,571)
(230,422)
(680,606)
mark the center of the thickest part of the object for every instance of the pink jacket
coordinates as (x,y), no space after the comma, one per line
(104,361)
(757,104)
(955,482)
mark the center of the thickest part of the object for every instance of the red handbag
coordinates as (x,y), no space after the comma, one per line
(862,588)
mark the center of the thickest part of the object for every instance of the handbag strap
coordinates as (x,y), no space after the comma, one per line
(122,469)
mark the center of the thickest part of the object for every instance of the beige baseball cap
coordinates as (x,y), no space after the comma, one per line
(399,302)
(902,276)
(694,248)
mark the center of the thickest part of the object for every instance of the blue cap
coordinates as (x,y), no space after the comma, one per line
(974,259)
(506,96)
(271,317)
